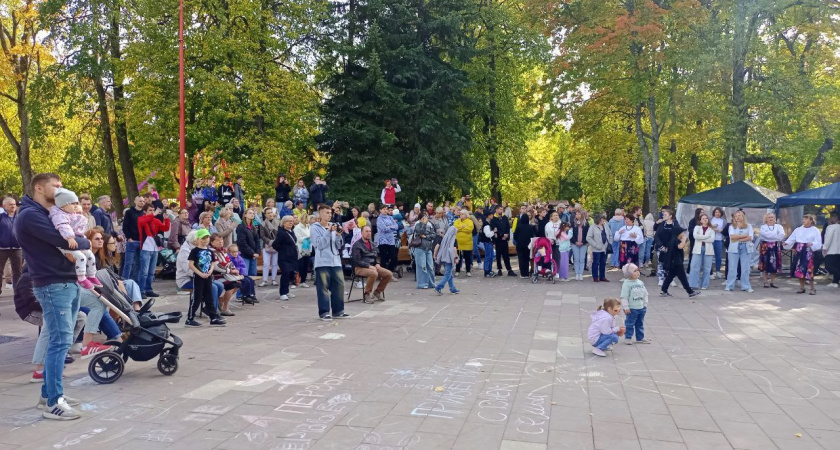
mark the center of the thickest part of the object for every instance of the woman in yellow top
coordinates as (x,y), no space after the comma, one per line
(465,227)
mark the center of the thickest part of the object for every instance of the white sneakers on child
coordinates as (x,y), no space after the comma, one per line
(598,352)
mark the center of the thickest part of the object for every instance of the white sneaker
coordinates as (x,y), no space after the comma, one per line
(61,411)
(76,348)
(262,284)
(713,277)
(660,282)
(8,285)
(359,285)
(42,402)
(832,285)
(274,282)
(673,284)
(469,274)
(284,297)
(598,352)
(304,285)
(293,286)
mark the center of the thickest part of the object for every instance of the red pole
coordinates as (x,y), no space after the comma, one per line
(182,169)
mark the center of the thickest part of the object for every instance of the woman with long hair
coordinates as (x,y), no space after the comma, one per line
(246,240)
(770,251)
(268,231)
(703,253)
(179,228)
(424,265)
(805,240)
(738,253)
(630,238)
(579,244)
(304,245)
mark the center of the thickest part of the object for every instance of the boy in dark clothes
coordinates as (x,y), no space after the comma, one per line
(202,263)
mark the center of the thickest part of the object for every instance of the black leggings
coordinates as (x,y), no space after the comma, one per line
(466,257)
(523,255)
(202,294)
(287,276)
(677,271)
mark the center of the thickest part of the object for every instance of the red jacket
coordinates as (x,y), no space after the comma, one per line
(150,225)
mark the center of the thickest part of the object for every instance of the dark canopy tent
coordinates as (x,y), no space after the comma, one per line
(754,200)
(741,194)
(826,195)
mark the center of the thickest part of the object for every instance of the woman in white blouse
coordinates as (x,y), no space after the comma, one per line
(740,239)
(552,233)
(632,237)
(770,250)
(805,240)
(703,254)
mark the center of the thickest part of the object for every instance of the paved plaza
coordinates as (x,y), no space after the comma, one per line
(504,365)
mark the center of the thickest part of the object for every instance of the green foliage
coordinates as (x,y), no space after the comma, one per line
(394,95)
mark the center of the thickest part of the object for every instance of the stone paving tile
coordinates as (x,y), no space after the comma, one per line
(511,369)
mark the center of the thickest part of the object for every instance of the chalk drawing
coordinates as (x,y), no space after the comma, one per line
(158,436)
(76,440)
(331,336)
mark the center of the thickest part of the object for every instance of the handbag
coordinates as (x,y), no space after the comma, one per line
(306,245)
(416,241)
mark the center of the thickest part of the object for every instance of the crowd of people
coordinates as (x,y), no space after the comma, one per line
(214,243)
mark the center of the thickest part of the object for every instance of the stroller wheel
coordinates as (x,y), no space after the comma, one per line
(106,367)
(168,363)
(534,278)
(553,280)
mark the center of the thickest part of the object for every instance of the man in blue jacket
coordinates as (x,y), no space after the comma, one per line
(101,215)
(54,283)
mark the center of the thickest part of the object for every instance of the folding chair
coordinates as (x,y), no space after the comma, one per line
(352,283)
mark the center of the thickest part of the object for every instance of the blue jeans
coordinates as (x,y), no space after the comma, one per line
(424,267)
(742,257)
(579,255)
(718,246)
(599,265)
(251,264)
(329,286)
(132,261)
(133,291)
(614,255)
(701,262)
(218,290)
(635,321)
(489,256)
(146,270)
(476,254)
(60,302)
(447,278)
(605,341)
(644,252)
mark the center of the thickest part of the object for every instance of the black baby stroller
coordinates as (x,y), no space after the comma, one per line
(146,335)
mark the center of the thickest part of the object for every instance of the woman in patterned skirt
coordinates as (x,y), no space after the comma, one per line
(805,240)
(631,237)
(770,251)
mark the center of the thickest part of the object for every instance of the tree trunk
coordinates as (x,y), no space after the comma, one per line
(655,133)
(637,115)
(816,165)
(672,175)
(120,128)
(491,122)
(691,186)
(744,23)
(782,178)
(107,143)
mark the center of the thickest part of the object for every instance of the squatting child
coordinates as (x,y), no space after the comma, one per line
(604,331)
(67,218)
(634,300)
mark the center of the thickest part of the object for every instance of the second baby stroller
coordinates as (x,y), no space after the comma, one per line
(544,264)
(147,335)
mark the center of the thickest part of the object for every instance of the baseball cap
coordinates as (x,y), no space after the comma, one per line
(202,233)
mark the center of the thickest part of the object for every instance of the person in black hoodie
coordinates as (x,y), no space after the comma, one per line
(543,217)
(318,192)
(285,243)
(225,192)
(522,236)
(671,240)
(501,228)
(281,190)
(54,284)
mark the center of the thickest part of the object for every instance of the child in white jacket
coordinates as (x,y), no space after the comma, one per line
(604,331)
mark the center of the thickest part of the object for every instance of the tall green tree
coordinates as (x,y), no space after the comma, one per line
(394,98)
